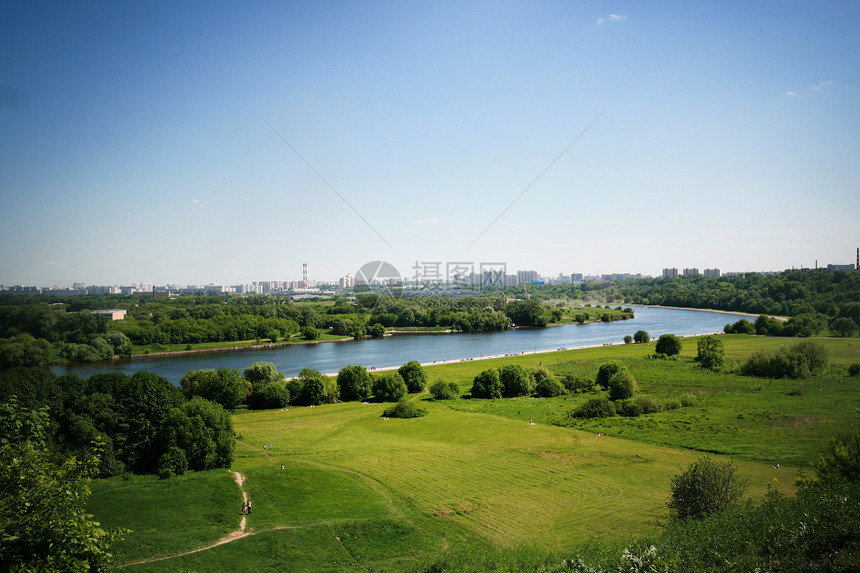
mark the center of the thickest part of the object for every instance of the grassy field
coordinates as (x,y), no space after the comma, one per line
(359,492)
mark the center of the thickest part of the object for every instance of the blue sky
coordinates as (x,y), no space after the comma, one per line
(136,143)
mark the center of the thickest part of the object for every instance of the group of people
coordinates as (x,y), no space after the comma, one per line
(246,508)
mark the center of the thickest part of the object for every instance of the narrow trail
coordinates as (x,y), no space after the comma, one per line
(232,536)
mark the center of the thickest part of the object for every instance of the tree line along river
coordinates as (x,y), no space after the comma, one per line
(398,349)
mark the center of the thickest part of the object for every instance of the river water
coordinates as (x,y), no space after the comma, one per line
(395,350)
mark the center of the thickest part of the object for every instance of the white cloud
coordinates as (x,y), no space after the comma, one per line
(518,225)
(791,93)
(198,202)
(56,264)
(426,221)
(821,85)
(611,18)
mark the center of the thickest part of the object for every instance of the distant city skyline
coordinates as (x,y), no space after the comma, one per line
(197,144)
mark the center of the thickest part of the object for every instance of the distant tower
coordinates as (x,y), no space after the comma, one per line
(304,275)
(857,265)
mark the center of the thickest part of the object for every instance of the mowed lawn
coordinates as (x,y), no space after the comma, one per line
(359,491)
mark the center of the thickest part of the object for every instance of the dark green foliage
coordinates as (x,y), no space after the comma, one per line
(641,337)
(628,408)
(622,385)
(840,465)
(310,332)
(224,386)
(270,396)
(354,383)
(843,326)
(44,524)
(540,373)
(705,488)
(389,387)
(441,390)
(801,360)
(628,339)
(597,407)
(648,404)
(376,330)
(515,381)
(23,350)
(172,462)
(854,369)
(578,384)
(528,313)
(606,371)
(405,409)
(487,385)
(312,387)
(549,387)
(414,375)
(668,345)
(743,326)
(767,325)
(261,373)
(710,352)
(203,430)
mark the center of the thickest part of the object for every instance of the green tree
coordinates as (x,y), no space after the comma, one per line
(704,488)
(843,326)
(487,384)
(226,386)
(606,371)
(261,373)
(310,333)
(641,337)
(622,385)
(203,430)
(44,524)
(414,375)
(597,407)
(628,339)
(710,353)
(376,330)
(354,383)
(840,465)
(549,387)
(389,387)
(668,345)
(515,381)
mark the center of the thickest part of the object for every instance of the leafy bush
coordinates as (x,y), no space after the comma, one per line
(607,371)
(668,345)
(628,339)
(648,404)
(487,384)
(405,409)
(354,383)
(799,361)
(540,373)
(854,369)
(549,387)
(598,407)
(641,337)
(173,462)
(743,326)
(688,399)
(441,390)
(389,387)
(622,385)
(671,404)
(310,332)
(578,384)
(414,375)
(705,488)
(628,408)
(710,353)
(515,381)
(270,396)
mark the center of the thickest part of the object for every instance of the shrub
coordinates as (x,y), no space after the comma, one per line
(312,387)
(405,409)
(376,330)
(540,373)
(441,390)
(598,407)
(641,337)
(668,345)
(628,408)
(799,361)
(515,381)
(310,333)
(710,353)
(648,404)
(270,396)
(671,404)
(622,385)
(414,376)
(578,384)
(854,369)
(389,387)
(705,488)
(688,399)
(487,384)
(628,339)
(549,387)
(607,371)
(173,462)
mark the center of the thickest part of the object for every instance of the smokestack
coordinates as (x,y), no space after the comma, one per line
(857,265)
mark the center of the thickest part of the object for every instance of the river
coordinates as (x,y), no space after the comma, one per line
(425,348)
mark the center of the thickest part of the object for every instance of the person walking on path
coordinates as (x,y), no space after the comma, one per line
(249,507)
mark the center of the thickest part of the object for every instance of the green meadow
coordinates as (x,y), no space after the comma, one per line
(359,492)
